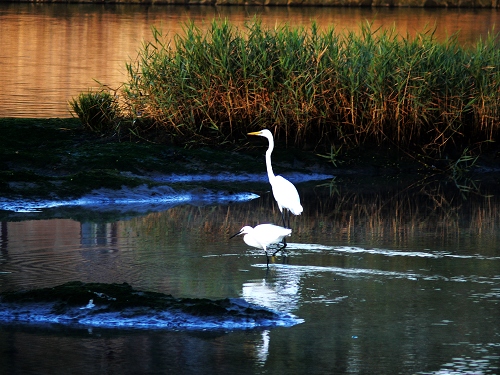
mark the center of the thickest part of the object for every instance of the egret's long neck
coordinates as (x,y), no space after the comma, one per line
(270,173)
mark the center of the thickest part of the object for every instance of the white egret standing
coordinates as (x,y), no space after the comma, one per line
(285,193)
(264,235)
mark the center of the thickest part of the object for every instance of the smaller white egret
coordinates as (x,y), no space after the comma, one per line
(284,191)
(264,235)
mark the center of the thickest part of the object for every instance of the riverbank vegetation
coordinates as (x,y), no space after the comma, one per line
(323,90)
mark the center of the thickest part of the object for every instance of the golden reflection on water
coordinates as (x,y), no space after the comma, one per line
(416,219)
(50,53)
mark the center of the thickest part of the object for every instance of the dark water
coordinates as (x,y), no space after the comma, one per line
(50,53)
(393,280)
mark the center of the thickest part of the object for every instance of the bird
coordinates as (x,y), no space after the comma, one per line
(285,193)
(264,235)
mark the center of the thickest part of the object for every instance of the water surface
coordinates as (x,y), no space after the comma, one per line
(386,281)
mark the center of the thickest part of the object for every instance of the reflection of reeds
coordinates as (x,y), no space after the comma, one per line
(397,218)
(315,86)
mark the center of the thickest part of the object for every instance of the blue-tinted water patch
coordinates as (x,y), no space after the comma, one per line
(139,199)
(144,198)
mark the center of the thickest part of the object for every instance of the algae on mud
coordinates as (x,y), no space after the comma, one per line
(120,306)
(57,158)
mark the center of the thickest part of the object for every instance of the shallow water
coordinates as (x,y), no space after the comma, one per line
(386,281)
(50,53)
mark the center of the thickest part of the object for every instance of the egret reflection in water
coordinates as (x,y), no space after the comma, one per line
(279,292)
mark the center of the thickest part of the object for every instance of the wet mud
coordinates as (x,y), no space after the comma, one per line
(78,304)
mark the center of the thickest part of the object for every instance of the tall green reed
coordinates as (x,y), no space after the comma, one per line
(318,87)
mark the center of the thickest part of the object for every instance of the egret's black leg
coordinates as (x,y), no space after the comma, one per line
(283,216)
(280,248)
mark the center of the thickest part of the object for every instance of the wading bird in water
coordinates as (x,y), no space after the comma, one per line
(285,193)
(264,235)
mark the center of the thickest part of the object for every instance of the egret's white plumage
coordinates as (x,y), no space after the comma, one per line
(263,235)
(285,193)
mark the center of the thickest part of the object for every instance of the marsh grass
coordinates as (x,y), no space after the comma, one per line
(317,88)
(98,111)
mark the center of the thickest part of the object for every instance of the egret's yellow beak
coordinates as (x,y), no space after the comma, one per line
(254,133)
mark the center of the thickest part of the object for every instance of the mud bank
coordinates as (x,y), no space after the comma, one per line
(89,305)
(56,160)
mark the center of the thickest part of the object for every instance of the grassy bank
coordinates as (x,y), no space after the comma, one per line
(323,90)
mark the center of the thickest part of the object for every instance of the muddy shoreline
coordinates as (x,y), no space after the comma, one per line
(56,160)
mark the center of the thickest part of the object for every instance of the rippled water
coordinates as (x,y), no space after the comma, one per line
(385,281)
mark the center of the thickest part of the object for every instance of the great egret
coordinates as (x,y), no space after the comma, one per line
(284,191)
(264,235)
